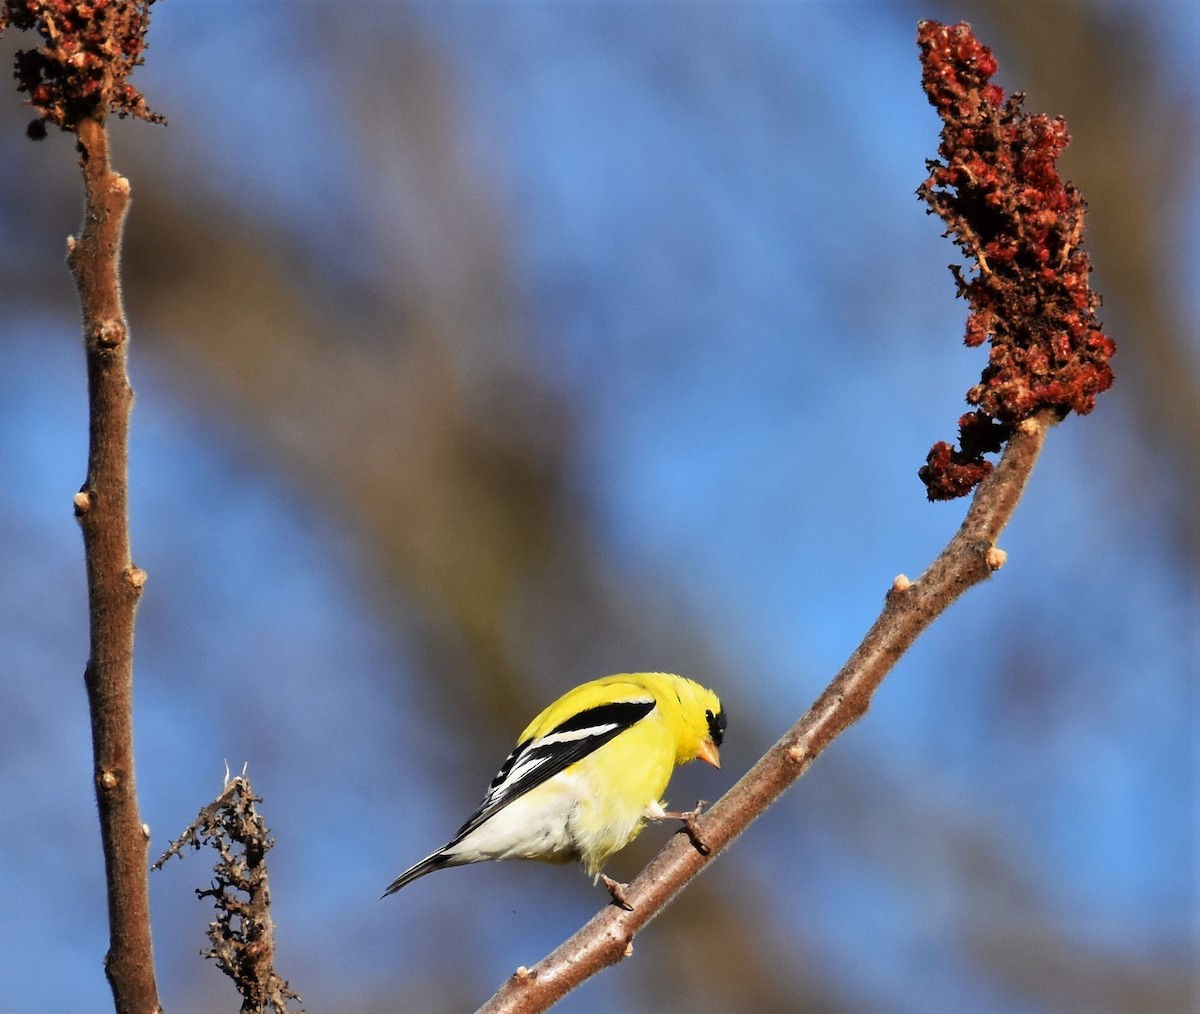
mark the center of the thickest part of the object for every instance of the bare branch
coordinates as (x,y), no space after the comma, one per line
(74,79)
(114,583)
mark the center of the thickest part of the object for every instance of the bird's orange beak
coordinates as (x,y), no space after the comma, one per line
(709,753)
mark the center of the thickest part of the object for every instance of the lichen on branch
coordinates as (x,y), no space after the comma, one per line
(89,48)
(996,186)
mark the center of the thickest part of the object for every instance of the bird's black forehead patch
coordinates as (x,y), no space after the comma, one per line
(716,725)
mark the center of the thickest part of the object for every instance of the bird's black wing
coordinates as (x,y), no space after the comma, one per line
(540,758)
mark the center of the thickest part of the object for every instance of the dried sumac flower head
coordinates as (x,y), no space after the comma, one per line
(89,49)
(996,186)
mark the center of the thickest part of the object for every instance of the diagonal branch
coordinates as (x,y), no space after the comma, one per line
(1003,201)
(971,556)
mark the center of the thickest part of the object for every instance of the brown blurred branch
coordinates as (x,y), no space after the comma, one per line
(74,79)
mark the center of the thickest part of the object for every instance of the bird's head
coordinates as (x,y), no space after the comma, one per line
(703,717)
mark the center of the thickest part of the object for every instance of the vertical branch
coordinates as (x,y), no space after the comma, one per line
(910,607)
(114,583)
(74,79)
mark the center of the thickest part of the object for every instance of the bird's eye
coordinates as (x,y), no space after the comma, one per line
(716,726)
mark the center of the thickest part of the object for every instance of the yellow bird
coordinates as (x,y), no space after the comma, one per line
(587,774)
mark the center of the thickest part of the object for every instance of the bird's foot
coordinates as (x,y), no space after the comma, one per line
(689,825)
(617,890)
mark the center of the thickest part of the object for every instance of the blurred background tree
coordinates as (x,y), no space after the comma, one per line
(483,349)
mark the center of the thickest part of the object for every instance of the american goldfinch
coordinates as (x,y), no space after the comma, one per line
(587,774)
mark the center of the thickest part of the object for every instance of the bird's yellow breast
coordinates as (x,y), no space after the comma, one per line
(619,786)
